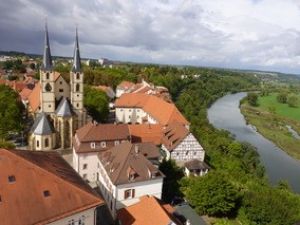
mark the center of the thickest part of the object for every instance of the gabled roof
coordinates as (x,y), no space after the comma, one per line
(173,134)
(123,160)
(25,93)
(196,164)
(64,108)
(45,189)
(146,133)
(42,125)
(34,97)
(148,211)
(162,111)
(102,132)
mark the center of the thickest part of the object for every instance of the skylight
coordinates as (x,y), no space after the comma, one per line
(11,179)
(46,193)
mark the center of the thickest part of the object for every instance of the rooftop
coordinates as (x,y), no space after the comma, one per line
(40,188)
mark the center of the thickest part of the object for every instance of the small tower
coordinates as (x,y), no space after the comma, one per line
(47,99)
(76,86)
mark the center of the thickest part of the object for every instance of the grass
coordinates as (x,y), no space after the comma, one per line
(272,125)
(266,102)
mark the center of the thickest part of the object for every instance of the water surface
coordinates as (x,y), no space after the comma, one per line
(225,114)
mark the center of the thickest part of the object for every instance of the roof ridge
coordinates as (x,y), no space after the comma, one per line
(47,171)
(123,163)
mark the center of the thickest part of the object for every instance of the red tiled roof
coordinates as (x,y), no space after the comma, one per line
(146,133)
(148,211)
(24,94)
(125,85)
(34,98)
(164,112)
(23,201)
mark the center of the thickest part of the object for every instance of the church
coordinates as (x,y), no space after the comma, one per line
(60,110)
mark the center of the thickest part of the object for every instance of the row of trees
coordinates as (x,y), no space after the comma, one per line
(290,99)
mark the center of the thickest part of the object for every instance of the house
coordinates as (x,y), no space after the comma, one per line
(180,144)
(42,188)
(195,167)
(148,211)
(91,139)
(124,87)
(126,174)
(141,108)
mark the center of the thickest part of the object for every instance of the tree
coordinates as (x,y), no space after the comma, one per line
(10,111)
(282,97)
(96,102)
(212,195)
(292,101)
(173,173)
(252,99)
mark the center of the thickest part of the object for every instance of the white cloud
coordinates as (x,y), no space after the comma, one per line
(261,34)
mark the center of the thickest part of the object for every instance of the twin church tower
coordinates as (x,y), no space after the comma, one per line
(61,111)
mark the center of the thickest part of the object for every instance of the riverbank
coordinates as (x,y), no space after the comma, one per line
(275,127)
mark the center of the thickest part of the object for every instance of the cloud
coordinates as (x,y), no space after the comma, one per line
(262,34)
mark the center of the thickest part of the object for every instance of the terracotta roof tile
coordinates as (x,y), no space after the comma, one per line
(122,157)
(146,133)
(34,98)
(125,85)
(24,94)
(148,211)
(159,109)
(23,201)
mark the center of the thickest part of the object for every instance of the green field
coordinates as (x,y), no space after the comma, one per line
(272,123)
(284,110)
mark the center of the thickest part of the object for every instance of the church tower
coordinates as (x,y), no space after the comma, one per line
(76,86)
(47,99)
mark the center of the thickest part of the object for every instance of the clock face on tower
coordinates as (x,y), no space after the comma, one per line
(48,87)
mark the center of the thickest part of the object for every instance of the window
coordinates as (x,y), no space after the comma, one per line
(93,145)
(117,142)
(77,87)
(47,76)
(78,95)
(77,76)
(84,166)
(103,144)
(60,82)
(77,105)
(37,143)
(61,90)
(11,179)
(48,87)
(46,142)
(130,193)
(49,106)
(46,193)
(71,222)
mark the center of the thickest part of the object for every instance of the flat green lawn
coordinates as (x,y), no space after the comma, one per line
(284,110)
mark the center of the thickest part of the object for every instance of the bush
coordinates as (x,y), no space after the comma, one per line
(252,99)
(292,101)
(282,97)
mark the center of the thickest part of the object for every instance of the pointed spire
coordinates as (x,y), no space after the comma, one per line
(47,59)
(76,59)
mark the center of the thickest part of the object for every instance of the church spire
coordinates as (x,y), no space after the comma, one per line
(47,59)
(76,59)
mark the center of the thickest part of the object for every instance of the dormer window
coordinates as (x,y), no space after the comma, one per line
(93,145)
(103,144)
(11,179)
(117,142)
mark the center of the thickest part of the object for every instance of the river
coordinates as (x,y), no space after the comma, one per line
(225,114)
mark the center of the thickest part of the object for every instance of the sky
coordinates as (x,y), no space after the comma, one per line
(242,34)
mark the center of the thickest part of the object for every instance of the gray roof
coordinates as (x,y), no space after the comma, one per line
(64,108)
(47,59)
(76,59)
(42,125)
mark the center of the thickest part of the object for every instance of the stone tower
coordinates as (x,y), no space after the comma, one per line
(47,79)
(76,87)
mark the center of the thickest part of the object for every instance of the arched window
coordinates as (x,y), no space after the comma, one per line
(77,76)
(46,142)
(77,87)
(48,87)
(47,76)
(37,143)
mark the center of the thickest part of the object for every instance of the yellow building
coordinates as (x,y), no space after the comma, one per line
(60,112)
